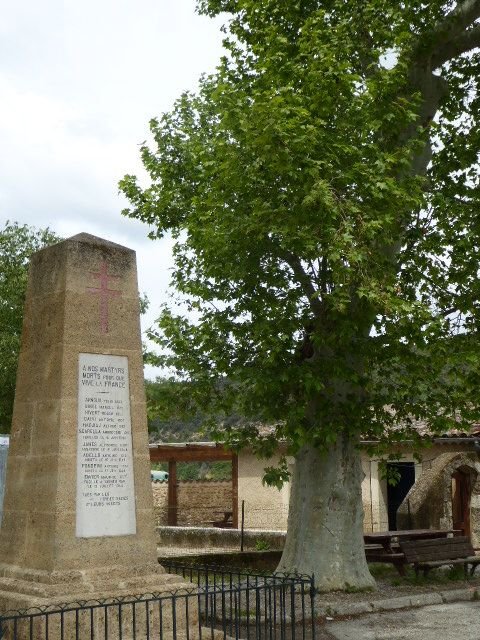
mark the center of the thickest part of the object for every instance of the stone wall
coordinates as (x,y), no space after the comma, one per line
(207,538)
(160,503)
(429,502)
(374,496)
(200,502)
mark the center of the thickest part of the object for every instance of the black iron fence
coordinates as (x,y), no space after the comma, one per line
(222,605)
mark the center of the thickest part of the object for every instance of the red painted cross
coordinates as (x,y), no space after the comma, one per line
(104,292)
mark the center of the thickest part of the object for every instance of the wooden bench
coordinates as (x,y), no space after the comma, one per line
(377,553)
(436,552)
(225,523)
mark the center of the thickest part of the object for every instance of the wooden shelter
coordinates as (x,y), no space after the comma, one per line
(193,452)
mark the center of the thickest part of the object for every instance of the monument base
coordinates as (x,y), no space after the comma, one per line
(95,590)
(28,587)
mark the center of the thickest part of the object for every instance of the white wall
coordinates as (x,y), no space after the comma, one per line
(267,507)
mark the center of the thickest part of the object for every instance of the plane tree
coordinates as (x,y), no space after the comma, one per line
(322,191)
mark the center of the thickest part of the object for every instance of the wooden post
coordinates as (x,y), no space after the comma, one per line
(235,490)
(193,452)
(172,493)
(242,530)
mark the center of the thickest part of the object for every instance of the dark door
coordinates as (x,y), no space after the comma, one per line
(396,493)
(461,494)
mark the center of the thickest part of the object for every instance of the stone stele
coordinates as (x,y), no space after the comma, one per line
(78,513)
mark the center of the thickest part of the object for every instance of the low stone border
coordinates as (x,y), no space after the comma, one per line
(402,602)
(207,537)
(228,560)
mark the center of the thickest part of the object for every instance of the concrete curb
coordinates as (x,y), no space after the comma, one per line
(390,604)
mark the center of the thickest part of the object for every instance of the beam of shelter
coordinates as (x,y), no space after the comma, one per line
(193,452)
(189,453)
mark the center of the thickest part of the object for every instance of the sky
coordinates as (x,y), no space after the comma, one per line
(79,82)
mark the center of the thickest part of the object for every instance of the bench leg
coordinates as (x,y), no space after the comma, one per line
(400,567)
(465,570)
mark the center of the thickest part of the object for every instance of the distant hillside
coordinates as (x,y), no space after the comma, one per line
(170,412)
(172,415)
(175,430)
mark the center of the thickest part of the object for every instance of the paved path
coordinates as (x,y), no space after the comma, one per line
(459,620)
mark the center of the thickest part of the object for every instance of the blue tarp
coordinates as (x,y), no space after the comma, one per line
(4,440)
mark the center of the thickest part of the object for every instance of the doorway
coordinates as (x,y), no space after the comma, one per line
(396,493)
(461,497)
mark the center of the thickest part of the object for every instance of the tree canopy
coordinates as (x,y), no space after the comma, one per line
(168,419)
(322,187)
(17,243)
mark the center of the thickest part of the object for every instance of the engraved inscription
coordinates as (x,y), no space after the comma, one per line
(105,486)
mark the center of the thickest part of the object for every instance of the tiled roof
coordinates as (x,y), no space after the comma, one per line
(420,426)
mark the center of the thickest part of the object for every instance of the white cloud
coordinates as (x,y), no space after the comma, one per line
(78,85)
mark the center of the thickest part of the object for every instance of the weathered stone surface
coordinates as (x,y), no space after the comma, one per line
(204,538)
(82,298)
(428,504)
(199,502)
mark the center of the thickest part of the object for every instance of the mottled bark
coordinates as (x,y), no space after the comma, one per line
(325,520)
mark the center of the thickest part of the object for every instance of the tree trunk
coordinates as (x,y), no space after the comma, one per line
(325,520)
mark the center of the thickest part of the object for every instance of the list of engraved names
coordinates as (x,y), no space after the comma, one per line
(105,486)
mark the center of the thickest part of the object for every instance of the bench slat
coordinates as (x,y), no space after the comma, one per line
(385,557)
(439,563)
(379,547)
(437,549)
(432,553)
(437,554)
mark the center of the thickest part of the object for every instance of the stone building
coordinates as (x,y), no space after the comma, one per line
(440,491)
(446,495)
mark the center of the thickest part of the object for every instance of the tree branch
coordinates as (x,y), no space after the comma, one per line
(368,61)
(463,43)
(296,266)
(451,29)
(459,19)
(465,13)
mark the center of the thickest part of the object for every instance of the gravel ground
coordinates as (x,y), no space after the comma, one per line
(445,621)
(391,585)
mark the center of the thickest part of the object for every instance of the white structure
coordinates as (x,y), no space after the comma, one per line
(267,507)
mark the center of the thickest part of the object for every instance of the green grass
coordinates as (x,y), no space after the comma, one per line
(351,589)
(445,575)
(262,545)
